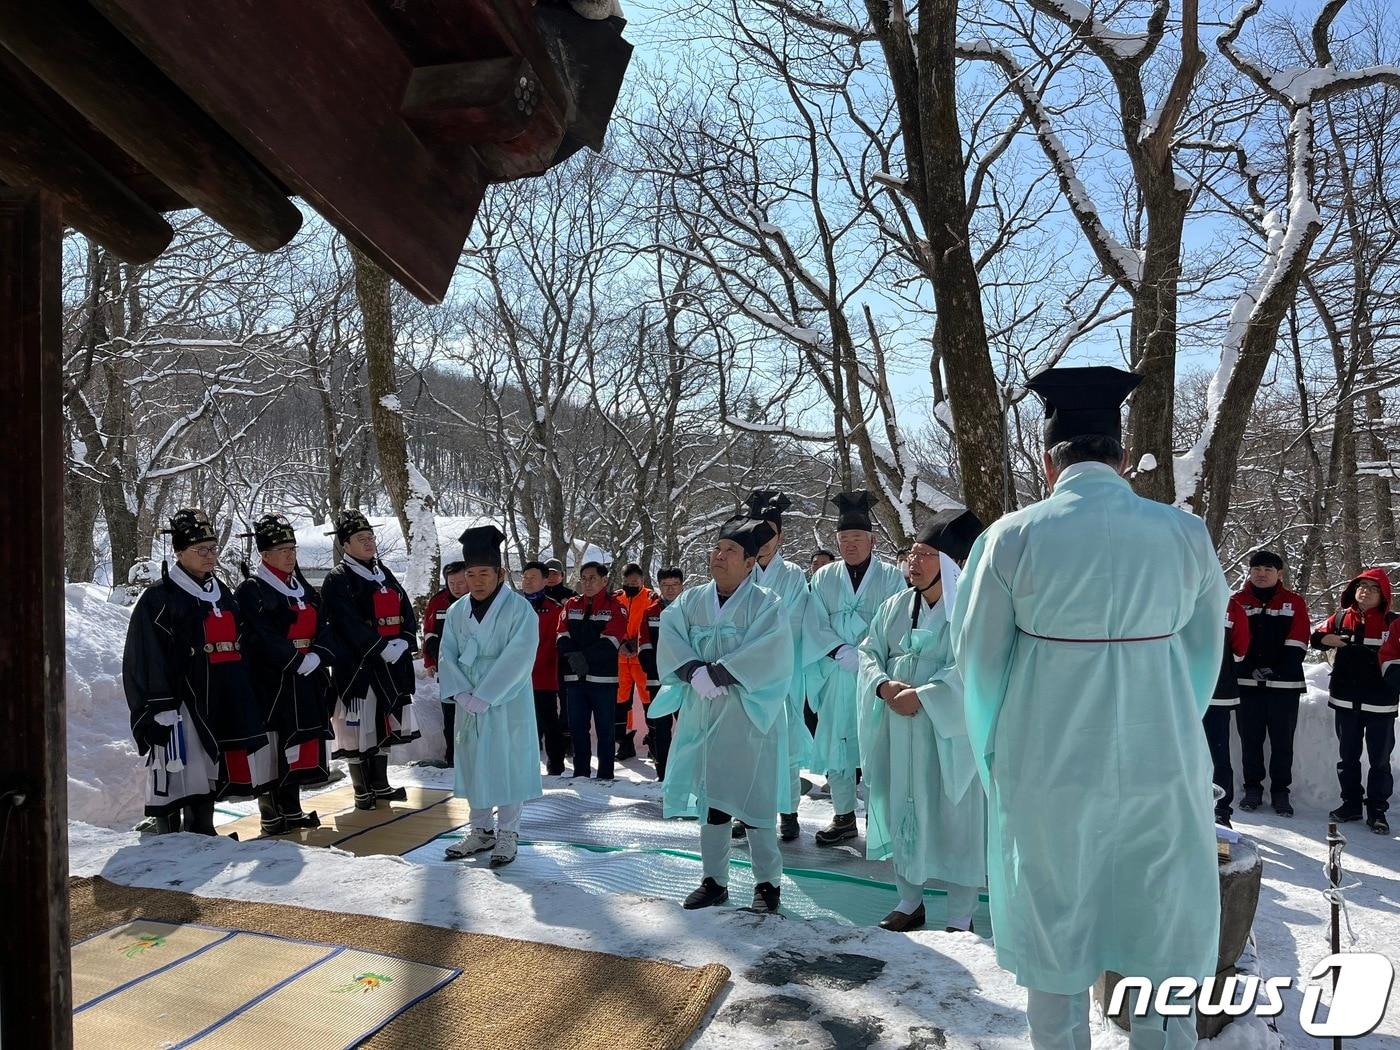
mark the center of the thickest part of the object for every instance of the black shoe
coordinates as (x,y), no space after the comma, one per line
(708,895)
(555,771)
(199,817)
(1377,823)
(789,829)
(627,747)
(364,794)
(1252,800)
(1222,817)
(379,781)
(903,922)
(1282,806)
(301,821)
(273,822)
(1345,813)
(738,830)
(169,824)
(841,829)
(766,897)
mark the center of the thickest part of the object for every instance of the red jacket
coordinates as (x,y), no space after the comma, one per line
(595,627)
(1357,682)
(546,674)
(433,616)
(1227,690)
(1279,633)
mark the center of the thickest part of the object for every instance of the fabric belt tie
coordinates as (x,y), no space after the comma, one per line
(1096,641)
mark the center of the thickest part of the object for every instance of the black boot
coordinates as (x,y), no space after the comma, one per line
(273,822)
(1376,822)
(1253,799)
(766,897)
(289,800)
(708,895)
(841,828)
(789,828)
(627,746)
(199,817)
(169,824)
(1346,812)
(738,830)
(379,780)
(1282,806)
(364,794)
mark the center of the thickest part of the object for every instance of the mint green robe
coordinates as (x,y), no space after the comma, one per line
(498,751)
(730,753)
(924,804)
(789,583)
(838,615)
(1101,830)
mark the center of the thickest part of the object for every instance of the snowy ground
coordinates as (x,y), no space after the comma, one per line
(818,983)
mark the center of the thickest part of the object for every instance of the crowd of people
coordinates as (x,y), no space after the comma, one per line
(1034,708)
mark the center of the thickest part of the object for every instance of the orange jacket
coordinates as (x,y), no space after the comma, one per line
(636,609)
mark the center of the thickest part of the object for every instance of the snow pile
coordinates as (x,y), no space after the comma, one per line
(104,779)
(425,540)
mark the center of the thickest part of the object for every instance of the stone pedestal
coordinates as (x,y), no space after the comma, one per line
(1239,897)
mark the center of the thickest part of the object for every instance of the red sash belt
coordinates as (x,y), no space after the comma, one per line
(221,639)
(388,613)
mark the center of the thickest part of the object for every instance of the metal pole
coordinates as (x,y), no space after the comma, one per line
(1335,842)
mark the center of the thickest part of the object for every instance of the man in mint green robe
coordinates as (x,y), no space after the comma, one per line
(844,598)
(773,573)
(725,659)
(926,809)
(485,662)
(1087,631)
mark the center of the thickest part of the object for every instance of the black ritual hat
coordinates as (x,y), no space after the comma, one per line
(749,533)
(854,510)
(272,530)
(768,505)
(482,546)
(348,522)
(951,532)
(1082,402)
(189,526)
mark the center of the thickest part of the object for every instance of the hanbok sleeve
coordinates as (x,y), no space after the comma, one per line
(144,675)
(984,638)
(763,661)
(451,680)
(673,651)
(871,711)
(262,642)
(1201,635)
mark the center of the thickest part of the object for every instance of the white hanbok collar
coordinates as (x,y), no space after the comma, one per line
(210,593)
(375,575)
(773,567)
(718,611)
(473,624)
(294,590)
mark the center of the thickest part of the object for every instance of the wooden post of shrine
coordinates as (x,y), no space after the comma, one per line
(35,998)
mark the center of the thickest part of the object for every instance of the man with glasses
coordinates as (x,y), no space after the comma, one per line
(194,716)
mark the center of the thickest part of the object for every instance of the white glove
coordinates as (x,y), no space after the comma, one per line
(848,656)
(167,718)
(392,651)
(703,684)
(309,663)
(475,704)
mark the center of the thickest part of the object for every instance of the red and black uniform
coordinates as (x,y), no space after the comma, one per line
(658,729)
(433,617)
(1363,693)
(546,682)
(1271,685)
(1223,700)
(194,715)
(282,629)
(591,631)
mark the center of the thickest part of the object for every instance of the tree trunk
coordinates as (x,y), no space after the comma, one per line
(386,420)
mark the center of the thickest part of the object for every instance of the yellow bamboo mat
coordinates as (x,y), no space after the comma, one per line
(344,826)
(599,1001)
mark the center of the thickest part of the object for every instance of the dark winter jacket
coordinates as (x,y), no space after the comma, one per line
(1227,689)
(278,635)
(651,636)
(1356,682)
(594,627)
(546,674)
(175,656)
(1278,639)
(1390,676)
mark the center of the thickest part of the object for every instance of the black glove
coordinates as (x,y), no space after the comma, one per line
(155,734)
(578,664)
(719,674)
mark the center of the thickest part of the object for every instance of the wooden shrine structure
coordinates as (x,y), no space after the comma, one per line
(388,117)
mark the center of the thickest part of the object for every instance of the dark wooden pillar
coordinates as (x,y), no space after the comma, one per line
(36,992)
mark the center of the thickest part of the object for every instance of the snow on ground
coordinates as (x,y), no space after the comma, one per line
(794,980)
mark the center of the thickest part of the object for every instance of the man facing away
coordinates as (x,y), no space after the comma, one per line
(1087,629)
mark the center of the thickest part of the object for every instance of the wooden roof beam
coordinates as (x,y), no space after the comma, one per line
(36,154)
(102,75)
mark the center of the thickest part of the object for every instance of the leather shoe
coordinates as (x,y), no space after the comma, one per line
(902,922)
